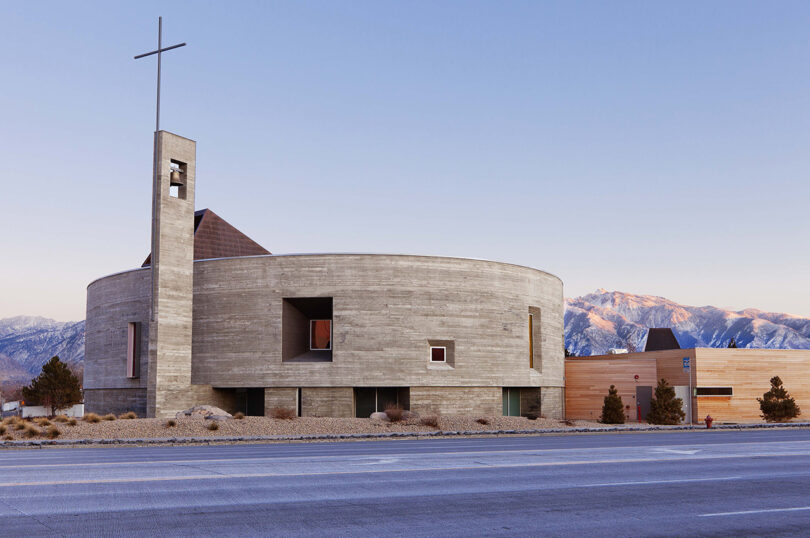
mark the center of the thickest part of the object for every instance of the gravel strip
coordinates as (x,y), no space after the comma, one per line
(262,429)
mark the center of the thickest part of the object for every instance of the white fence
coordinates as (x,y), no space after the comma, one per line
(39,411)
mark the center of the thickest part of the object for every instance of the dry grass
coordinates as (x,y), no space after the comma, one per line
(213,425)
(8,437)
(129,415)
(52,432)
(3,429)
(283,413)
(239,416)
(42,421)
(20,425)
(60,418)
(429,420)
(108,416)
(92,417)
(394,412)
(482,420)
(9,420)
(171,423)
(29,430)
(72,421)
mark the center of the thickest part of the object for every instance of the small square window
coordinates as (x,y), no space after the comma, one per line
(320,334)
(438,354)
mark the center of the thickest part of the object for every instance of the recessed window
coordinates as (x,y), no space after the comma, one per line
(133,349)
(714,391)
(320,334)
(438,354)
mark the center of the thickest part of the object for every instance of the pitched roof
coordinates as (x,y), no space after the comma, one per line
(661,339)
(215,238)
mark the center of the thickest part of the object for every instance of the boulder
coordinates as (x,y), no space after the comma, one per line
(379,415)
(205,412)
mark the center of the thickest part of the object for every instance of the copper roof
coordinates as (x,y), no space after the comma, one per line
(215,238)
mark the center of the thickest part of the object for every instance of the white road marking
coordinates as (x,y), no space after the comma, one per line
(641,483)
(768,511)
(674,451)
(381,461)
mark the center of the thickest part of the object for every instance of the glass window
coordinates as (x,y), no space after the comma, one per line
(713,391)
(438,354)
(320,334)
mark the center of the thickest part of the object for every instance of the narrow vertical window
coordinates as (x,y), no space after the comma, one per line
(133,349)
(535,338)
(531,340)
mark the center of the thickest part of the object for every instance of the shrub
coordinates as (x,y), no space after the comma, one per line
(3,429)
(613,408)
(430,420)
(239,416)
(56,387)
(129,415)
(42,421)
(52,432)
(72,422)
(283,413)
(29,430)
(776,404)
(92,417)
(213,425)
(394,412)
(20,425)
(482,420)
(665,408)
(60,418)
(8,438)
(171,423)
(108,416)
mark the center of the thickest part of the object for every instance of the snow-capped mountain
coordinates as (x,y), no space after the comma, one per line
(27,342)
(596,322)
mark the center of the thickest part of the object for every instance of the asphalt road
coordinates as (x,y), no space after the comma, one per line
(698,483)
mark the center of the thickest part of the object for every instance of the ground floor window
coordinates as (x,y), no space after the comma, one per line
(368,400)
(511,402)
(714,391)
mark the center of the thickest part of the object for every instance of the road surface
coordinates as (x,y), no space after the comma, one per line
(696,483)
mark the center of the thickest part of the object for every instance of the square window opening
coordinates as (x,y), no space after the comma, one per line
(438,354)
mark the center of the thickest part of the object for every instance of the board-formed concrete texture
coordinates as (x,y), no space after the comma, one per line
(386,311)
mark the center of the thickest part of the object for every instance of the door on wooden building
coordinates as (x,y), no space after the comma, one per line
(511,402)
(643,399)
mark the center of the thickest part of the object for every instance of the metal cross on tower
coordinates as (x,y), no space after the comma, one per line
(159,51)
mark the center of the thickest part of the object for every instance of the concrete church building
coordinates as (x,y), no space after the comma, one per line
(214,318)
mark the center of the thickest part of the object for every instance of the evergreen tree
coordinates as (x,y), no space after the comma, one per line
(56,387)
(568,353)
(732,343)
(665,408)
(613,408)
(776,404)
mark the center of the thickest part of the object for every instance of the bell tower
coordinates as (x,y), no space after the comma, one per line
(172,266)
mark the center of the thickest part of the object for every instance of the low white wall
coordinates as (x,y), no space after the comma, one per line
(39,411)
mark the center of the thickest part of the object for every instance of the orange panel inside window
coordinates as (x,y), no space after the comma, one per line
(320,334)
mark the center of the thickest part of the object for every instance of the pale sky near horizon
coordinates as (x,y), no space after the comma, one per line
(647,147)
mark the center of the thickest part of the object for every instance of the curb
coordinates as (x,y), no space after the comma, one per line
(393,435)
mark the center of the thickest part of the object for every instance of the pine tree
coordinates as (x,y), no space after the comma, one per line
(613,409)
(56,387)
(665,408)
(776,404)
(732,343)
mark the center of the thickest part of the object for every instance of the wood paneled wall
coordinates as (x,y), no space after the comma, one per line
(588,379)
(748,372)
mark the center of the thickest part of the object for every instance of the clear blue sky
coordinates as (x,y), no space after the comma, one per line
(648,147)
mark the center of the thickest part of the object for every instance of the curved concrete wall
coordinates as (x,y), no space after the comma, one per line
(385,310)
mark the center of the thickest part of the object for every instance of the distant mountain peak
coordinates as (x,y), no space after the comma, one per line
(599,321)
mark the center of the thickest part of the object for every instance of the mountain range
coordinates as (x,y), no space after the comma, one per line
(602,320)
(594,323)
